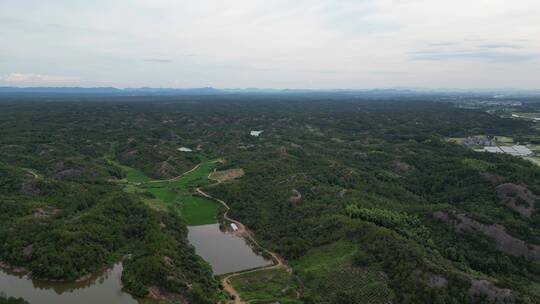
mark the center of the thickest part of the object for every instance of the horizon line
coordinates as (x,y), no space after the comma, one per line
(398,88)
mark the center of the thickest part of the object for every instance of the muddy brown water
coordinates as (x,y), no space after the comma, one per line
(224,251)
(105,287)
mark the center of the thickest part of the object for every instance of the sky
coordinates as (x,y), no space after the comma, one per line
(317,44)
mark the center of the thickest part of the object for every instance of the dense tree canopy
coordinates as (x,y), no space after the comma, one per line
(370,174)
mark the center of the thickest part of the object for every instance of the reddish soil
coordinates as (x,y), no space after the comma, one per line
(226,175)
(159,294)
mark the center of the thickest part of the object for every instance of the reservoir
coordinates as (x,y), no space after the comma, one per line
(104,287)
(224,251)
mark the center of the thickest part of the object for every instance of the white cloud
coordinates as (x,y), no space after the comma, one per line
(38,79)
(265,43)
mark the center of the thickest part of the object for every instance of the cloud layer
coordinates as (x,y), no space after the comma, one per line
(272,43)
(20,79)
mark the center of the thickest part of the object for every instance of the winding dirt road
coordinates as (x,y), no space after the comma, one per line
(175,178)
(245,233)
(32,172)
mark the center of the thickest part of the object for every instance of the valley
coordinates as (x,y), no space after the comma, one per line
(337,201)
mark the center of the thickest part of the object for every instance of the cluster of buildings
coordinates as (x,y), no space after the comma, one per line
(477,141)
(490,144)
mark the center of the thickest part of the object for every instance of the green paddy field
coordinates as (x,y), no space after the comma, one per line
(177,195)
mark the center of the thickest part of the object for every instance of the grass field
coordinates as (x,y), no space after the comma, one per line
(199,211)
(505,140)
(456,139)
(534,148)
(531,115)
(268,286)
(132,175)
(175,194)
(162,191)
(535,160)
(135,176)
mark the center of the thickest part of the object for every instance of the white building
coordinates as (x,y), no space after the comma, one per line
(510,150)
(493,149)
(234,227)
(517,150)
(523,150)
(255,133)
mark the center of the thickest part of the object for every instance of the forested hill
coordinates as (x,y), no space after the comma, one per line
(366,200)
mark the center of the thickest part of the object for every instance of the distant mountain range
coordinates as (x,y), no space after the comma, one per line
(109,90)
(392,92)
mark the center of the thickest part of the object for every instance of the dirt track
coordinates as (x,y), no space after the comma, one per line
(175,178)
(32,172)
(245,233)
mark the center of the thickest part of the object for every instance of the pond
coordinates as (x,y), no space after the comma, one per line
(224,251)
(105,287)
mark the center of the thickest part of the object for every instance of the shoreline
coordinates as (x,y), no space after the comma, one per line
(247,235)
(21,271)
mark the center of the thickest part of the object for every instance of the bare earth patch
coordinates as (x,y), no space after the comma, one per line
(45,212)
(296,146)
(437,281)
(295,197)
(69,173)
(503,241)
(492,178)
(12,268)
(226,175)
(401,167)
(341,193)
(30,188)
(518,198)
(27,251)
(159,294)
(165,169)
(493,293)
